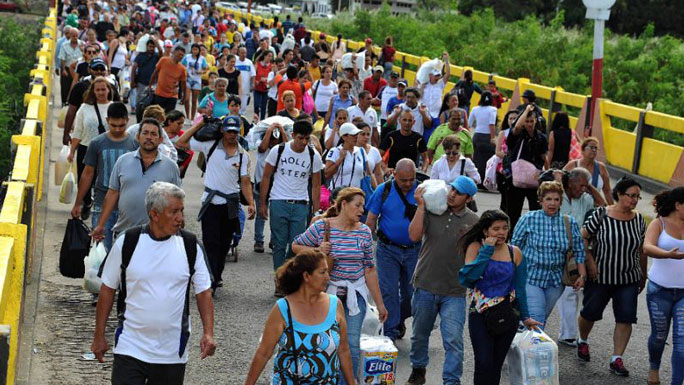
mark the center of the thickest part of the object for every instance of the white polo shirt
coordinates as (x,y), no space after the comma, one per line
(370,116)
(156,284)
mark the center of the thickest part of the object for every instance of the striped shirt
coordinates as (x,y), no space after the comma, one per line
(618,247)
(351,250)
(544,243)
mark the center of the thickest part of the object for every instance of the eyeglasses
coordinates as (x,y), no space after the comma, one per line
(365,134)
(636,196)
(451,153)
(592,148)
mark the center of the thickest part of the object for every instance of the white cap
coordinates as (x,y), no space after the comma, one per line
(348,129)
(436,72)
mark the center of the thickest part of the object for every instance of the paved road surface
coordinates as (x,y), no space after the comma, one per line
(64,319)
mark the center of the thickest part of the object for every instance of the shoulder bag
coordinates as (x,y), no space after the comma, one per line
(100,126)
(366,183)
(524,172)
(502,318)
(295,351)
(570,271)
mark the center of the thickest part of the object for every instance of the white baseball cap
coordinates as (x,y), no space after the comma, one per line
(349,129)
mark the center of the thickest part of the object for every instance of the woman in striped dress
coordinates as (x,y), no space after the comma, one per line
(353,277)
(616,271)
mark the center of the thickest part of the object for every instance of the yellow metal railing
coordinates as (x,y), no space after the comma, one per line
(17,213)
(656,160)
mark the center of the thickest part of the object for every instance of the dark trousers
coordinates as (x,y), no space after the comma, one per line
(168,104)
(131,371)
(217,233)
(516,199)
(271,106)
(260,102)
(65,80)
(484,149)
(80,157)
(489,351)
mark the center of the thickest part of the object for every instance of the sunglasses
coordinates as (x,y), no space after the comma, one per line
(451,153)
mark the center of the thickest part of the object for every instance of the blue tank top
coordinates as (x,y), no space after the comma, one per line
(317,345)
(337,104)
(497,282)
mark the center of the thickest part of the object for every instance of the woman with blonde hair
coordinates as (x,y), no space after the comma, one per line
(542,237)
(289,103)
(309,313)
(349,243)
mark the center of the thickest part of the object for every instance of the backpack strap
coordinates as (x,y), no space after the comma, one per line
(131,237)
(386,190)
(211,151)
(463,162)
(281,149)
(190,243)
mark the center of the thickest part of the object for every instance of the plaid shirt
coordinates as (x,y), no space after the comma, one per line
(544,243)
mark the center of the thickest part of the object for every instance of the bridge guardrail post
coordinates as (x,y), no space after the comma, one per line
(642,131)
(552,106)
(403,65)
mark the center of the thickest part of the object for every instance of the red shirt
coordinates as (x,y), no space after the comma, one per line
(373,87)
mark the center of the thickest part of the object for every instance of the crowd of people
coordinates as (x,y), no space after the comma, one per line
(339,188)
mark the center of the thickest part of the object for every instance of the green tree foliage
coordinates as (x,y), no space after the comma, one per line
(636,70)
(18,46)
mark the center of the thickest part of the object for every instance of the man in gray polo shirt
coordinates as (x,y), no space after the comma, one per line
(132,175)
(437,289)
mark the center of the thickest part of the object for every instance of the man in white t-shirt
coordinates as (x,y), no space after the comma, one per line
(295,167)
(386,93)
(155,272)
(421,114)
(432,93)
(248,73)
(364,110)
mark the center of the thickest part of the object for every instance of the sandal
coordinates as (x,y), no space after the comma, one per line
(652,382)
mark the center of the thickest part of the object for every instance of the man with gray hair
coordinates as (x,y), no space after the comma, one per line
(397,254)
(153,266)
(579,199)
(132,175)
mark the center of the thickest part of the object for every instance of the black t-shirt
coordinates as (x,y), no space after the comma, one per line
(79,90)
(403,146)
(307,52)
(232,80)
(533,148)
(82,69)
(146,65)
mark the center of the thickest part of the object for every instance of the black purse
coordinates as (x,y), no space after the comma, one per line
(211,130)
(503,317)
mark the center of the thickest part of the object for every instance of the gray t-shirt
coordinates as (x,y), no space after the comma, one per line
(102,154)
(440,258)
(131,181)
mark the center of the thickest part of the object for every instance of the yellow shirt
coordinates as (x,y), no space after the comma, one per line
(209,43)
(315,72)
(211,64)
(229,36)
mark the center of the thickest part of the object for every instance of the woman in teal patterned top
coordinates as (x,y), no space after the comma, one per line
(307,325)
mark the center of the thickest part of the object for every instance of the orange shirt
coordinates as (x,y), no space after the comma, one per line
(294,87)
(169,77)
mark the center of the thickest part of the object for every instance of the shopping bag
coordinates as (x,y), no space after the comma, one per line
(525,174)
(61,165)
(435,195)
(371,321)
(533,359)
(75,245)
(489,181)
(91,263)
(575,147)
(62,117)
(67,191)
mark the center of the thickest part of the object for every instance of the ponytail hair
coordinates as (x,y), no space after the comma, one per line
(477,232)
(345,194)
(290,276)
(665,202)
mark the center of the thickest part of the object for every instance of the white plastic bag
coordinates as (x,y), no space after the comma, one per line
(533,359)
(61,165)
(97,254)
(61,118)
(360,60)
(371,322)
(142,43)
(426,68)
(288,43)
(257,132)
(490,173)
(67,191)
(378,361)
(435,195)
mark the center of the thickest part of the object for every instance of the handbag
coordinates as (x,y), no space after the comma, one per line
(524,172)
(570,270)
(211,130)
(502,318)
(291,337)
(366,183)
(326,238)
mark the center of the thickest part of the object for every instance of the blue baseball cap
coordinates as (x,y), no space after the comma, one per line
(97,62)
(231,123)
(464,185)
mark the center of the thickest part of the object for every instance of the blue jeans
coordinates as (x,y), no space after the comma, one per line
(241,217)
(354,324)
(451,310)
(259,221)
(111,221)
(260,100)
(395,270)
(287,221)
(540,301)
(666,306)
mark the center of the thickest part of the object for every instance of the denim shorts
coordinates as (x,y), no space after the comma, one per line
(597,295)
